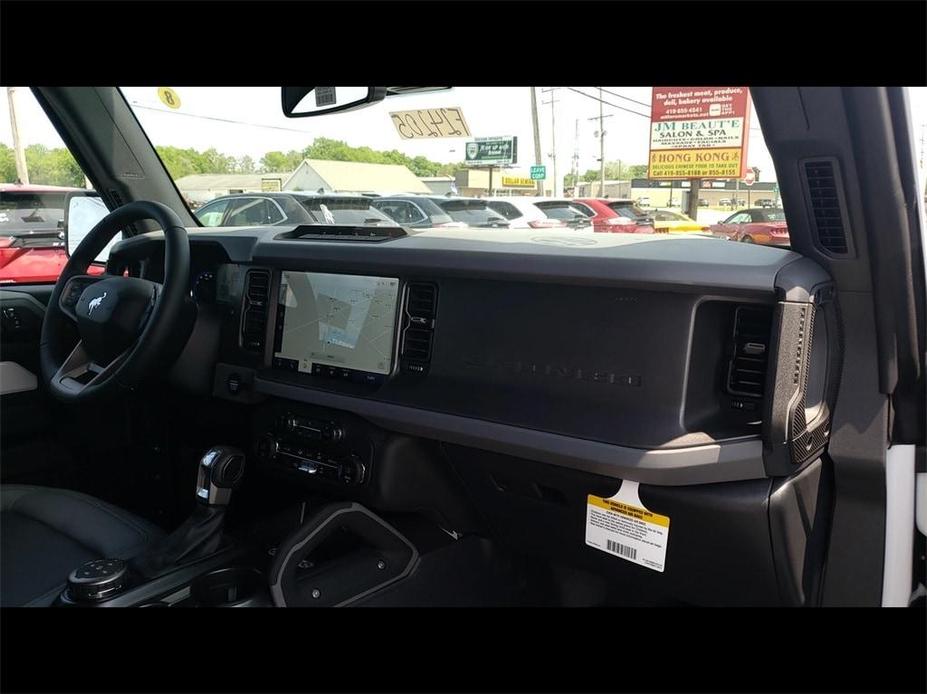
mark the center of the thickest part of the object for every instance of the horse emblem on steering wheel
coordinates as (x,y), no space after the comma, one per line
(95,303)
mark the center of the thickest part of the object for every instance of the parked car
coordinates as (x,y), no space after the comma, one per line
(260,209)
(670,221)
(702,202)
(617,216)
(765,202)
(31,233)
(643,202)
(415,212)
(472,212)
(755,225)
(528,212)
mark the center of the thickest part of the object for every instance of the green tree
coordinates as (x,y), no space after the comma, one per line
(182,162)
(273,162)
(53,167)
(7,164)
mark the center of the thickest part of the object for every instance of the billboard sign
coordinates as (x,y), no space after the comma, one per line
(699,132)
(491,151)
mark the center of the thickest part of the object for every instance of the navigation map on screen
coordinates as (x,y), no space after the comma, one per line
(346,321)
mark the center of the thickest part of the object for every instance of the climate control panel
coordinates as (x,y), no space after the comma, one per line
(314,446)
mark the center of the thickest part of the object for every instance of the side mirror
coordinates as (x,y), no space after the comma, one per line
(82,212)
(301,102)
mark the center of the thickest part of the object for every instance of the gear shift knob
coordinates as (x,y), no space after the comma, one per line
(218,473)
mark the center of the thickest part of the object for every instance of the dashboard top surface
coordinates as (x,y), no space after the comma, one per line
(656,261)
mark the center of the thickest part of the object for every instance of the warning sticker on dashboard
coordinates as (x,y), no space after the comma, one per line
(622,527)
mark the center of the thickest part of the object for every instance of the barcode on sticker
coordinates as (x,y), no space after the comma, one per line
(621,550)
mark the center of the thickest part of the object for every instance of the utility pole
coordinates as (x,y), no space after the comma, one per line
(537,136)
(22,173)
(601,149)
(553,135)
(576,160)
(601,136)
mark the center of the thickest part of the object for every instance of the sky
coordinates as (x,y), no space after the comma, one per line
(489,111)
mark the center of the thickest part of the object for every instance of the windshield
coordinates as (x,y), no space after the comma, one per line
(462,146)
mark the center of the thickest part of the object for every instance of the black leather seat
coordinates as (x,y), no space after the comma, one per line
(46,533)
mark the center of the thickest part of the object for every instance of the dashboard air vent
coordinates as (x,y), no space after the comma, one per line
(824,191)
(421,303)
(254,310)
(417,338)
(416,344)
(747,370)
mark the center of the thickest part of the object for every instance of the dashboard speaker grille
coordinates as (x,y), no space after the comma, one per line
(254,311)
(750,352)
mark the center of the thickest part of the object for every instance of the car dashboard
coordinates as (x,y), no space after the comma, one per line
(618,357)
(534,368)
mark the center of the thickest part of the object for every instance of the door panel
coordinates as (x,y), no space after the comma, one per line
(25,413)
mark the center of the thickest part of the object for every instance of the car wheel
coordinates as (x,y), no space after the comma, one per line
(747,239)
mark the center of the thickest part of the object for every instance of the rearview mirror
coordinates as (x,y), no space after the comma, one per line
(82,212)
(300,102)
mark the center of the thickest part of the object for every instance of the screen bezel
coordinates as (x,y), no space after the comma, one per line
(398,321)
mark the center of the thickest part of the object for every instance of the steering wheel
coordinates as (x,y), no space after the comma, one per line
(124,323)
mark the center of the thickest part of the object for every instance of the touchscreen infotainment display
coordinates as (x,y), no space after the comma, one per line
(335,325)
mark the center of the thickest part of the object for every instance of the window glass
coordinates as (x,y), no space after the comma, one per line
(211,215)
(401,212)
(350,211)
(34,192)
(561,210)
(626,209)
(249,212)
(472,212)
(506,209)
(773,215)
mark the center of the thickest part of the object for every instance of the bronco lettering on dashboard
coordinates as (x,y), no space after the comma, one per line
(561,371)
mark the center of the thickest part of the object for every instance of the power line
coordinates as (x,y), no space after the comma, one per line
(753,129)
(135,104)
(608,103)
(626,98)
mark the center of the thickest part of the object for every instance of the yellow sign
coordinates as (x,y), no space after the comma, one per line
(271,185)
(168,97)
(695,163)
(629,510)
(518,182)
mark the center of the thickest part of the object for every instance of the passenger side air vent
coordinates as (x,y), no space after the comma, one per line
(418,335)
(747,369)
(254,311)
(824,194)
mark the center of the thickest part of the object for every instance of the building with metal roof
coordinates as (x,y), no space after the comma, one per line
(200,188)
(354,177)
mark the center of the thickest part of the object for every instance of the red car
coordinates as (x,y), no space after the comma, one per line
(617,216)
(31,238)
(761,225)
